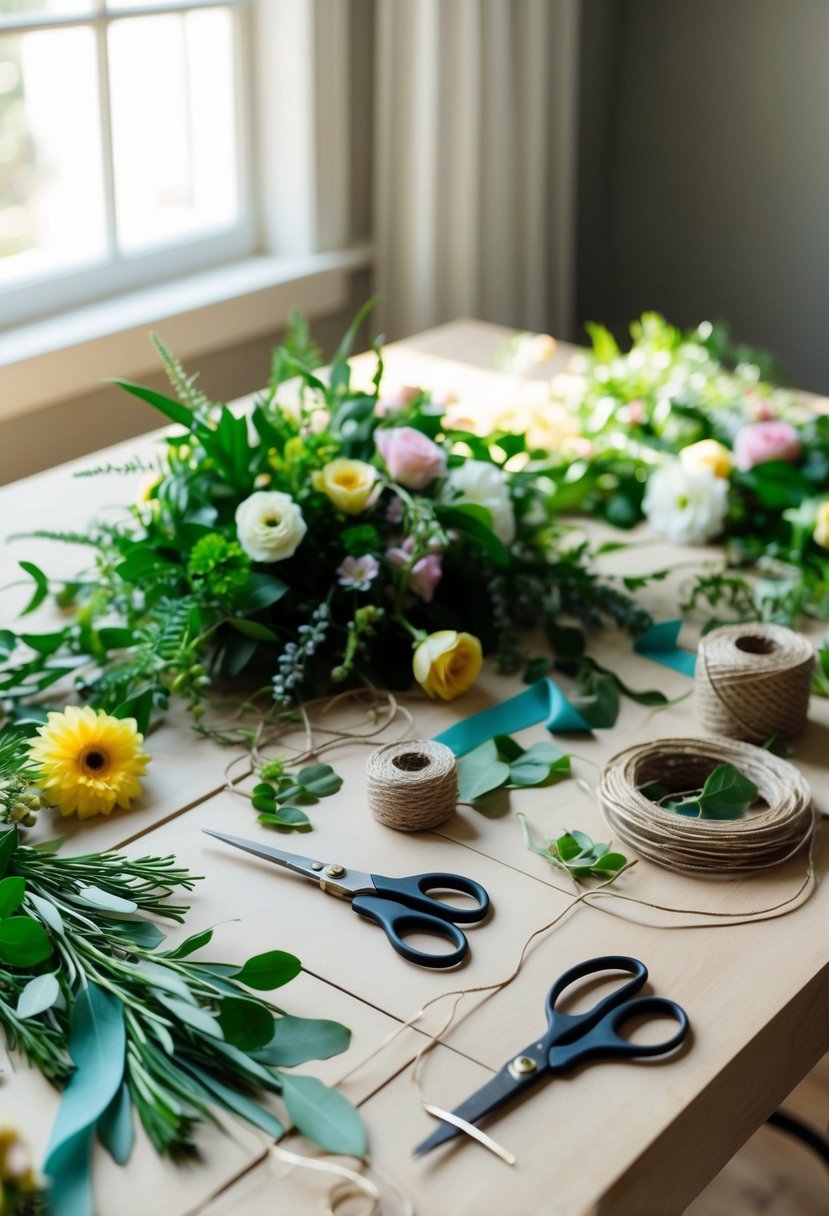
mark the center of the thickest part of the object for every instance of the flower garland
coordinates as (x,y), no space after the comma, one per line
(692,434)
(331,538)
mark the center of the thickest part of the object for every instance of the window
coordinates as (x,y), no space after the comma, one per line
(123,157)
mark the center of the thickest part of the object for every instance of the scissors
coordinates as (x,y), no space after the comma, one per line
(571,1039)
(397,905)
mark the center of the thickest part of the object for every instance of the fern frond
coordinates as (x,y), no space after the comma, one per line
(183,386)
(299,343)
(66,538)
(135,465)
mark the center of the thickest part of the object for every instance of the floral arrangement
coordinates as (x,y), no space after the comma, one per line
(332,537)
(692,434)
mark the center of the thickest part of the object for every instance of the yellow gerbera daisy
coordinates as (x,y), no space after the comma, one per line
(89,761)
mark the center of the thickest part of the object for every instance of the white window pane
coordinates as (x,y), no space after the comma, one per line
(66,8)
(173,126)
(51,181)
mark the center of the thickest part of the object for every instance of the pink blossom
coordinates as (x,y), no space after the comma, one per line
(425,574)
(634,412)
(762,441)
(411,457)
(358,572)
(396,400)
(394,511)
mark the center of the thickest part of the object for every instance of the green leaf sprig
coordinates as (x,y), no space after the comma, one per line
(198,1036)
(501,762)
(274,796)
(576,853)
(726,794)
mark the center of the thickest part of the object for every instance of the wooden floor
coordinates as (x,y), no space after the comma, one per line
(774,1173)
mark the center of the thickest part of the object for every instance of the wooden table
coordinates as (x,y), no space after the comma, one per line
(613,1139)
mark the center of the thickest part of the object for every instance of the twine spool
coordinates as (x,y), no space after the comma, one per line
(764,837)
(412,786)
(753,681)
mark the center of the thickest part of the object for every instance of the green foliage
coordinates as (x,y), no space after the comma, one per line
(726,794)
(501,762)
(576,854)
(197,1038)
(274,795)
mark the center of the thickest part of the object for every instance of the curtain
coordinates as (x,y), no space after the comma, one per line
(474,176)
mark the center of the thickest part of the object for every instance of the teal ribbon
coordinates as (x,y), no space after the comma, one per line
(97,1045)
(543,702)
(659,643)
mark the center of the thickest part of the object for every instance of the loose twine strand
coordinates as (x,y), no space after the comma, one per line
(753,681)
(776,781)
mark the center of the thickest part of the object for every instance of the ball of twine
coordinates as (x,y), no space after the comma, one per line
(413,785)
(753,681)
(764,837)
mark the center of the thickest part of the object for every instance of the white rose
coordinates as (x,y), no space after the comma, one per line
(481,483)
(688,508)
(269,526)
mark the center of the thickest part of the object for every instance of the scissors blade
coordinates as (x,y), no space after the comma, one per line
(309,867)
(501,1089)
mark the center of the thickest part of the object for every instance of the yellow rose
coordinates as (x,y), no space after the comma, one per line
(348,484)
(707,456)
(821,531)
(447,663)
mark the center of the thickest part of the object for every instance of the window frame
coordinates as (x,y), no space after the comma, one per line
(120,273)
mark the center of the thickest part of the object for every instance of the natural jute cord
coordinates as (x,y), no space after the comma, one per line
(713,847)
(752,681)
(412,786)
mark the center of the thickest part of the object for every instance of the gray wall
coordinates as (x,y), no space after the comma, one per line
(704,183)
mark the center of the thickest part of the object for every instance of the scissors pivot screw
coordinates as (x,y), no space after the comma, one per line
(522,1066)
(316,865)
(335,871)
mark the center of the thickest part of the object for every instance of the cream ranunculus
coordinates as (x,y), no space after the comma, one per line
(446,663)
(347,483)
(687,508)
(707,456)
(269,526)
(481,483)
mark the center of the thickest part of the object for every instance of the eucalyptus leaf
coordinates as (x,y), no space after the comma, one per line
(190,945)
(480,771)
(47,912)
(38,995)
(234,1101)
(296,1040)
(192,1015)
(269,970)
(96,897)
(324,1115)
(726,794)
(247,1024)
(140,932)
(115,1127)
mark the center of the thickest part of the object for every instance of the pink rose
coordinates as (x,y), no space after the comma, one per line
(762,441)
(425,574)
(411,458)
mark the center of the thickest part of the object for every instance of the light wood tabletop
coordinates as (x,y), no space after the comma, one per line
(615,1138)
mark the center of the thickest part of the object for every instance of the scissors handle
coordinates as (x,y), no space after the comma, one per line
(396,919)
(605,1039)
(414,892)
(563,1027)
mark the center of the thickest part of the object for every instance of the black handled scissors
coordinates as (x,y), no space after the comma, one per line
(571,1039)
(397,905)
